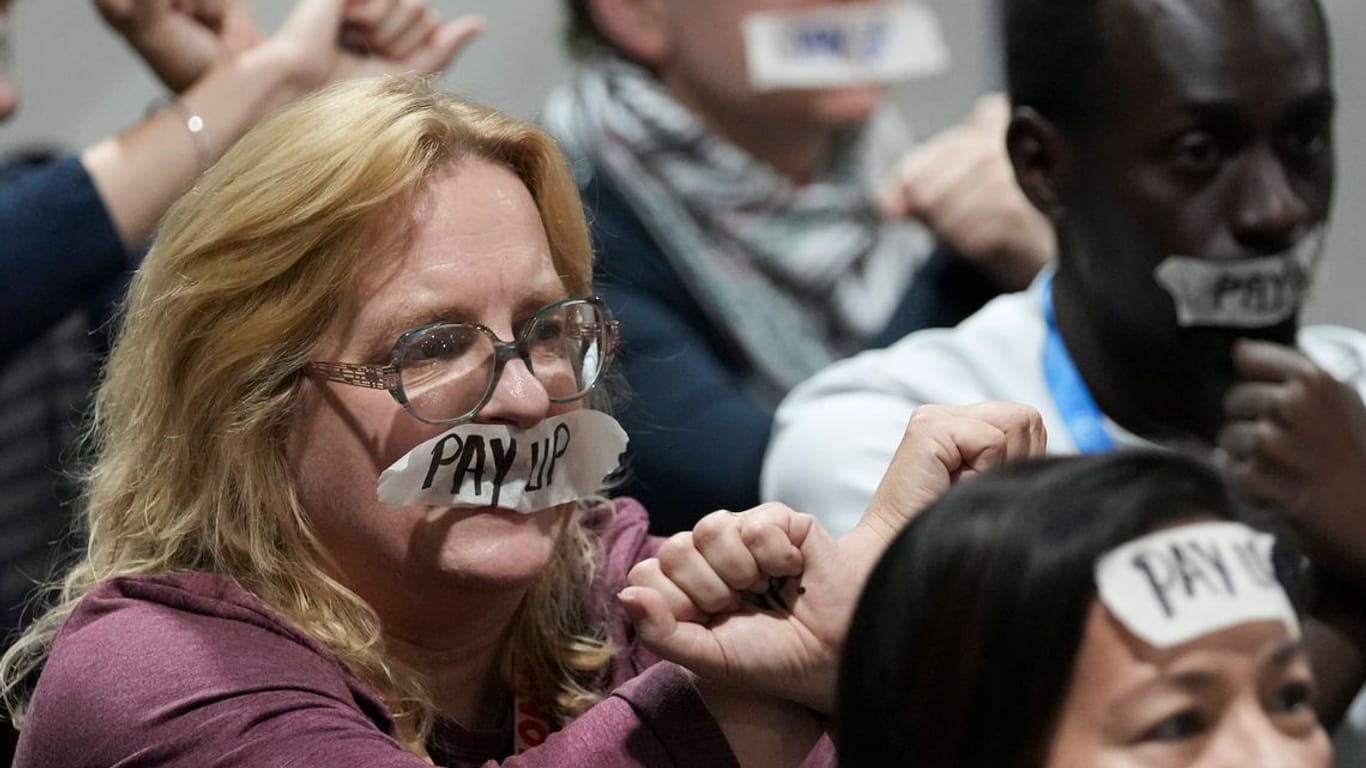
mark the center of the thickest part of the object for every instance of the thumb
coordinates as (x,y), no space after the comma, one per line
(890,198)
(899,194)
(447,42)
(991,112)
(314,22)
(239,30)
(685,643)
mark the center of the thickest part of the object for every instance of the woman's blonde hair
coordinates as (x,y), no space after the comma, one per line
(248,271)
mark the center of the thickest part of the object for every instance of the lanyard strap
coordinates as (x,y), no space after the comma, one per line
(1079,411)
(530,724)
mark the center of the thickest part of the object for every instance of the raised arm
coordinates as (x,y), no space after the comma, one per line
(235,79)
(758,602)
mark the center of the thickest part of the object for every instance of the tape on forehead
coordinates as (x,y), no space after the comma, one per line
(1246,293)
(843,45)
(1179,584)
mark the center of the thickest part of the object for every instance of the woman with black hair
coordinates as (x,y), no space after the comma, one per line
(1099,611)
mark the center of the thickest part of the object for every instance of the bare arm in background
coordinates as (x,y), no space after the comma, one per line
(230,78)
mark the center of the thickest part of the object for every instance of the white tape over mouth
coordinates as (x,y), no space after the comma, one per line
(564,458)
(1179,584)
(848,45)
(1248,293)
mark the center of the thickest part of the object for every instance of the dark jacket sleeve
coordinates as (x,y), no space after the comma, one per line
(697,437)
(182,672)
(59,250)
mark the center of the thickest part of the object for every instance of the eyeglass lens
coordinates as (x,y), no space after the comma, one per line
(446,371)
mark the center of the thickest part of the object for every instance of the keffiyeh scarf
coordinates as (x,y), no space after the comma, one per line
(797,275)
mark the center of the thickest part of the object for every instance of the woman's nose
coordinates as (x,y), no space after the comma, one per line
(519,398)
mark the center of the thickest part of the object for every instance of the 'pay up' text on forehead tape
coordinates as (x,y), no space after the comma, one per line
(563,459)
(1173,586)
(844,45)
(1243,293)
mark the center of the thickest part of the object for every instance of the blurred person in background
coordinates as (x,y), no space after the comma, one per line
(749,236)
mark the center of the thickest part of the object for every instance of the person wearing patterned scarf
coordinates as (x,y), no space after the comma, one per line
(748,239)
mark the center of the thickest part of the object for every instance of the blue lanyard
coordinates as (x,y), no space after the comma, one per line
(1079,410)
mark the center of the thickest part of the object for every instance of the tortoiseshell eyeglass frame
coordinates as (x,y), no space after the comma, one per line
(389,378)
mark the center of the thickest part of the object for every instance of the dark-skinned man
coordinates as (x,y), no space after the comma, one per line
(1183,150)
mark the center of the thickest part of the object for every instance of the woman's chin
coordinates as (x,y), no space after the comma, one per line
(496,547)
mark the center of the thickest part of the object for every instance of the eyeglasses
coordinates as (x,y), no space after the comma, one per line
(445,372)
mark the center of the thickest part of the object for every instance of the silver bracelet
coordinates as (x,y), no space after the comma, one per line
(195,125)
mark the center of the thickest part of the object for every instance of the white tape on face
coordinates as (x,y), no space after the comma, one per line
(564,458)
(1178,584)
(1249,293)
(845,45)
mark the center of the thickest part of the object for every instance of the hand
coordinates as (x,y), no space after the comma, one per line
(1297,440)
(695,603)
(181,39)
(942,445)
(325,41)
(322,41)
(961,185)
(724,600)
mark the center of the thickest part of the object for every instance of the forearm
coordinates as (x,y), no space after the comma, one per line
(762,730)
(665,717)
(1335,639)
(141,172)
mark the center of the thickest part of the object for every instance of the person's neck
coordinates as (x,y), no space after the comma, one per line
(799,152)
(459,661)
(1143,383)
(800,158)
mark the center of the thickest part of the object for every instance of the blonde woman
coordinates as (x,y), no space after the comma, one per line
(246,599)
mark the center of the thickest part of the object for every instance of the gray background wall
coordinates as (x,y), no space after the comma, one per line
(81,83)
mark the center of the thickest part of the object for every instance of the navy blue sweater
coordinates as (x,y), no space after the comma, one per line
(59,250)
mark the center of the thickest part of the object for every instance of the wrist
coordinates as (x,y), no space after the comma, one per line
(1338,602)
(194,127)
(760,728)
(283,71)
(862,547)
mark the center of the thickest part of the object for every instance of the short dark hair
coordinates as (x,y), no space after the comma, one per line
(1053,52)
(972,620)
(582,35)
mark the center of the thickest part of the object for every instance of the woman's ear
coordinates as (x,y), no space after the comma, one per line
(1040,157)
(636,27)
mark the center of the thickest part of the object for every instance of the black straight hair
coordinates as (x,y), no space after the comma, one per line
(582,36)
(961,650)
